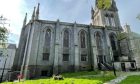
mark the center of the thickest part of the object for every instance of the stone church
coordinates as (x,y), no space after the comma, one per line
(52,47)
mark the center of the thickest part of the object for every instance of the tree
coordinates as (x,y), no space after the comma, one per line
(3,31)
(3,40)
(3,35)
(121,36)
(103,4)
(138,17)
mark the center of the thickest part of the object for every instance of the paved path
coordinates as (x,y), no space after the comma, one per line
(122,76)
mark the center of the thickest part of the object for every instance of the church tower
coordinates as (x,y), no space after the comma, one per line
(106,16)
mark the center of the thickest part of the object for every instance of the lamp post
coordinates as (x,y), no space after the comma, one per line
(112,60)
(114,70)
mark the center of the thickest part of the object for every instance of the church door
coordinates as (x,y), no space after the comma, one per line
(123,66)
(100,58)
(100,61)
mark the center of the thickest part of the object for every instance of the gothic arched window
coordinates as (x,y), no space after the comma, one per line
(114,47)
(112,41)
(66,39)
(46,50)
(98,40)
(83,39)
(107,19)
(112,20)
(47,38)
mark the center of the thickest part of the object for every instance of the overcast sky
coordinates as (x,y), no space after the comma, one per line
(65,10)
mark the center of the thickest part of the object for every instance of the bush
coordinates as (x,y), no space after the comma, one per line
(58,77)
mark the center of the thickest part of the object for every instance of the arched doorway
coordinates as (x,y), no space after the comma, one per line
(99,46)
(113,43)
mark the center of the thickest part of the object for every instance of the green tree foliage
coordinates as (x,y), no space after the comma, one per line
(121,36)
(3,35)
(138,17)
(103,4)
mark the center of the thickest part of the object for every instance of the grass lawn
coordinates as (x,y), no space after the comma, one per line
(81,73)
(73,78)
(131,80)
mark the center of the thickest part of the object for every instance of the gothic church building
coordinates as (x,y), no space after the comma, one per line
(51,47)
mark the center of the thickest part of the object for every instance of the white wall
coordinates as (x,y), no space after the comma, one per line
(8,55)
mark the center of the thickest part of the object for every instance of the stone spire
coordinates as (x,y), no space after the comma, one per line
(33,15)
(25,20)
(127,28)
(92,13)
(37,12)
(113,6)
